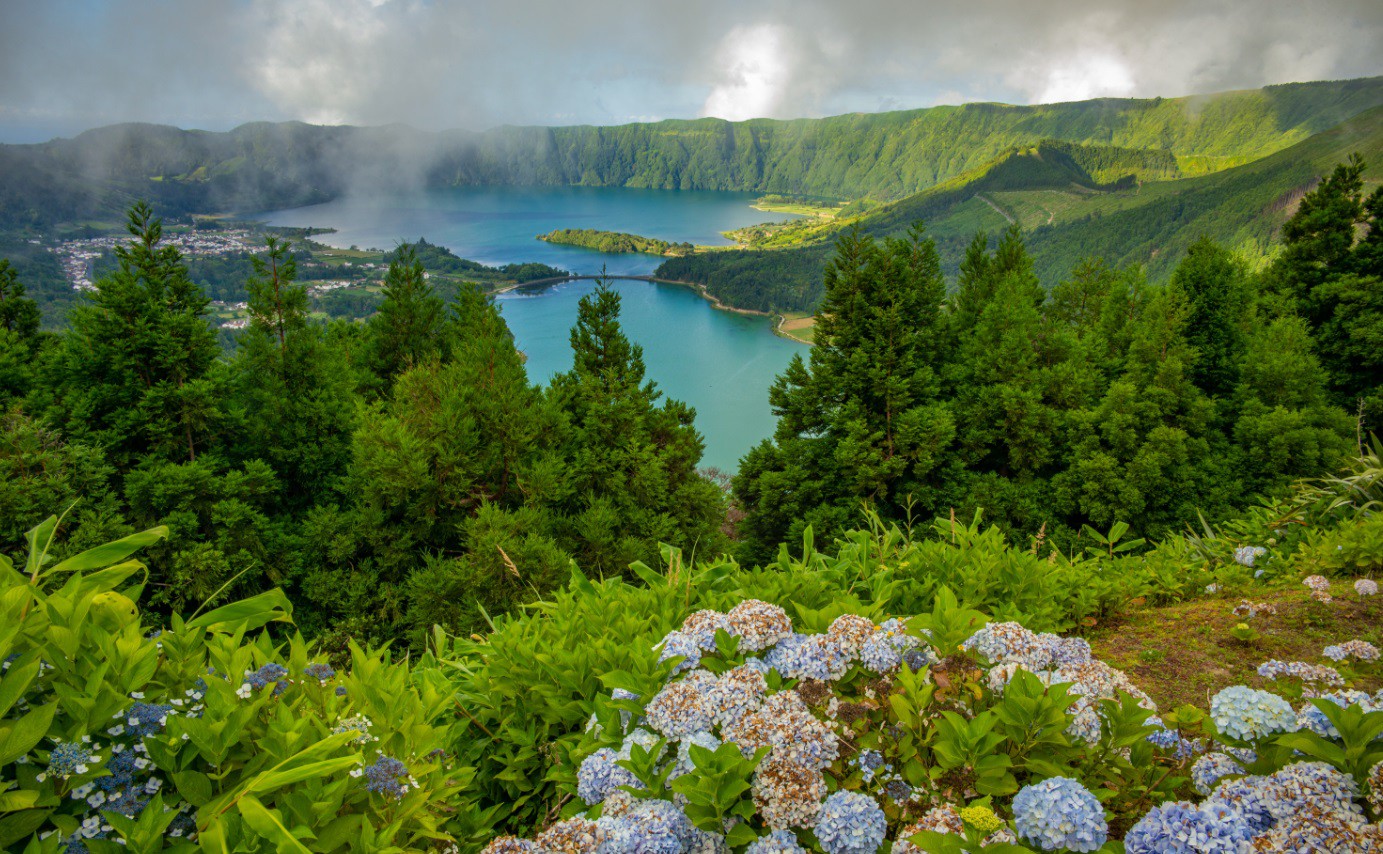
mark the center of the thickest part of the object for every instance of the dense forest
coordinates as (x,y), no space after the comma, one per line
(1103,399)
(391,475)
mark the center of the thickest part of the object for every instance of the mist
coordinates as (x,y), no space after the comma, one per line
(66,65)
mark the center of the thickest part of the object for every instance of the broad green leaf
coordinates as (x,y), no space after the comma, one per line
(248,614)
(268,825)
(112,553)
(28,731)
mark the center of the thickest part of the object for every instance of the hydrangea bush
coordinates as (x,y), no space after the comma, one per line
(208,734)
(841,734)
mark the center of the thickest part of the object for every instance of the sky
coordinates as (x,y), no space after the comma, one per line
(68,65)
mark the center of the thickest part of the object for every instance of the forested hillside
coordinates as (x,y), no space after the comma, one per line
(888,155)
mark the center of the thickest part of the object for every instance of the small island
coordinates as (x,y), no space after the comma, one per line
(617,242)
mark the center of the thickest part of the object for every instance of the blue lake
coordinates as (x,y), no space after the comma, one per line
(719,362)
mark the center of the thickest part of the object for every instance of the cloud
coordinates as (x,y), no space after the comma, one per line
(440,64)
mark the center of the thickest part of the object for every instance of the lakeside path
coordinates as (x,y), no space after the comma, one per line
(715,302)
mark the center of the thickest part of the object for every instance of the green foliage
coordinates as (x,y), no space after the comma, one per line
(617,242)
(270,766)
(1106,402)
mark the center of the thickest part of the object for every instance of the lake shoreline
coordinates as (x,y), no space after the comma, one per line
(716,303)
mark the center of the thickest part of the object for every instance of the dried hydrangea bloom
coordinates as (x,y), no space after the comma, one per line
(738,692)
(1366,587)
(787,793)
(1315,829)
(785,724)
(679,710)
(942,819)
(850,631)
(1362,650)
(511,845)
(758,624)
(573,836)
(1320,587)
(702,627)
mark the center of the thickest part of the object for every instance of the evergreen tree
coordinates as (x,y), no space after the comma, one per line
(864,423)
(134,372)
(1335,279)
(1215,290)
(295,390)
(19,338)
(410,326)
(630,463)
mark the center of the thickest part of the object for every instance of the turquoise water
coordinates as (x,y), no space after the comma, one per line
(500,225)
(719,362)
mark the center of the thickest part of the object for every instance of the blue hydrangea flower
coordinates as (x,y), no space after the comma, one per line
(69,758)
(800,656)
(387,776)
(1060,813)
(679,644)
(1244,713)
(1178,827)
(898,790)
(122,768)
(598,776)
(777,842)
(850,823)
(651,827)
(147,718)
(1246,555)
(869,762)
(1210,768)
(320,671)
(679,710)
(1248,796)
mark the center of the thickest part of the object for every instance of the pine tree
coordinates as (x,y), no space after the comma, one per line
(134,373)
(630,463)
(862,424)
(1215,289)
(410,326)
(295,389)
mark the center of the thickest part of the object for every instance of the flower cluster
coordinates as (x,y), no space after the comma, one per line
(389,777)
(320,671)
(1366,587)
(598,776)
(1245,608)
(1247,714)
(1246,555)
(1060,813)
(270,674)
(1316,674)
(358,724)
(1180,826)
(1320,587)
(1208,770)
(1362,650)
(850,823)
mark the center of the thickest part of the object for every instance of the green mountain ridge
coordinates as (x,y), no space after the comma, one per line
(885,155)
(1065,212)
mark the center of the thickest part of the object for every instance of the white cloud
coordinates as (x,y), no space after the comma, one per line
(755,67)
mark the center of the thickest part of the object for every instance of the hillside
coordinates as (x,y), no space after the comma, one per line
(1049,190)
(886,156)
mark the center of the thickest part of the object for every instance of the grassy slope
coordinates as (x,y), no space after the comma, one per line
(1185,653)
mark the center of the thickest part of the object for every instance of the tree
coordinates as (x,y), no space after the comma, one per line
(1214,287)
(863,423)
(19,337)
(410,325)
(1335,280)
(134,373)
(295,391)
(630,464)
